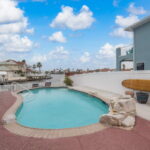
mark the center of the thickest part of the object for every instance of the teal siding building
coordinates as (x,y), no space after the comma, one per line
(140,52)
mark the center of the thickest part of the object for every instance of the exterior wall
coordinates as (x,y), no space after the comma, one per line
(13,68)
(3,78)
(120,58)
(57,80)
(142,46)
(118,63)
(23,68)
(11,76)
(109,81)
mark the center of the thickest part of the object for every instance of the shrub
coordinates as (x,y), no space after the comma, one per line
(68,81)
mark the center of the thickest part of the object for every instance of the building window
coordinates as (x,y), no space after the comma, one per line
(140,66)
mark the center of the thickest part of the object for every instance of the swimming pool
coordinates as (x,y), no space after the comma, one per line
(58,108)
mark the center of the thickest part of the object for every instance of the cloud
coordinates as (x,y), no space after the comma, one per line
(57,37)
(123,22)
(9,11)
(39,58)
(119,32)
(106,55)
(15,27)
(15,43)
(13,23)
(2,55)
(136,10)
(59,53)
(31,31)
(12,19)
(108,50)
(126,21)
(68,19)
(85,57)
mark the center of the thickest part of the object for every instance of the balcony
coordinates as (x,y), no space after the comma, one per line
(127,50)
(123,54)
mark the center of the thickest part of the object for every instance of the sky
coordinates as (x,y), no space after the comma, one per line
(67,33)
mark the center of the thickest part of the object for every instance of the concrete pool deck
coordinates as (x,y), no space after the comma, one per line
(107,139)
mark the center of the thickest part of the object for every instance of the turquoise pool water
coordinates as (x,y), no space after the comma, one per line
(57,108)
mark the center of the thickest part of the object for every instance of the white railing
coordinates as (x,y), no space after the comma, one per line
(21,87)
(125,49)
(57,80)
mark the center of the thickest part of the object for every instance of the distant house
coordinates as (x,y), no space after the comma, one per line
(15,70)
(139,52)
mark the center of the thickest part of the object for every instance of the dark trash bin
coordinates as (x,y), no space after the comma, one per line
(142,97)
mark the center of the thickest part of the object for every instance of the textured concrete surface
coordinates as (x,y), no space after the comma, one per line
(143,111)
(108,139)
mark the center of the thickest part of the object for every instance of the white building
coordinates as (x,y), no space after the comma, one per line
(11,70)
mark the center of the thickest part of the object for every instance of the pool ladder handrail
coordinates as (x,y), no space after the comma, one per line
(24,88)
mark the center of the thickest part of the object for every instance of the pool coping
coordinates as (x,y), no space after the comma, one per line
(18,129)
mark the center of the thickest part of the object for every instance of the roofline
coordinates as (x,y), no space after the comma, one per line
(17,62)
(138,24)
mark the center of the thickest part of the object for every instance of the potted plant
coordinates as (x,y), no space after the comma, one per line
(68,81)
(142,97)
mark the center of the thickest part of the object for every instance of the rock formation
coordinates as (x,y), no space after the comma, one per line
(122,112)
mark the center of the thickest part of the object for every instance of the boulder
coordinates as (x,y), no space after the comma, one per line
(112,119)
(123,105)
(129,121)
(121,112)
